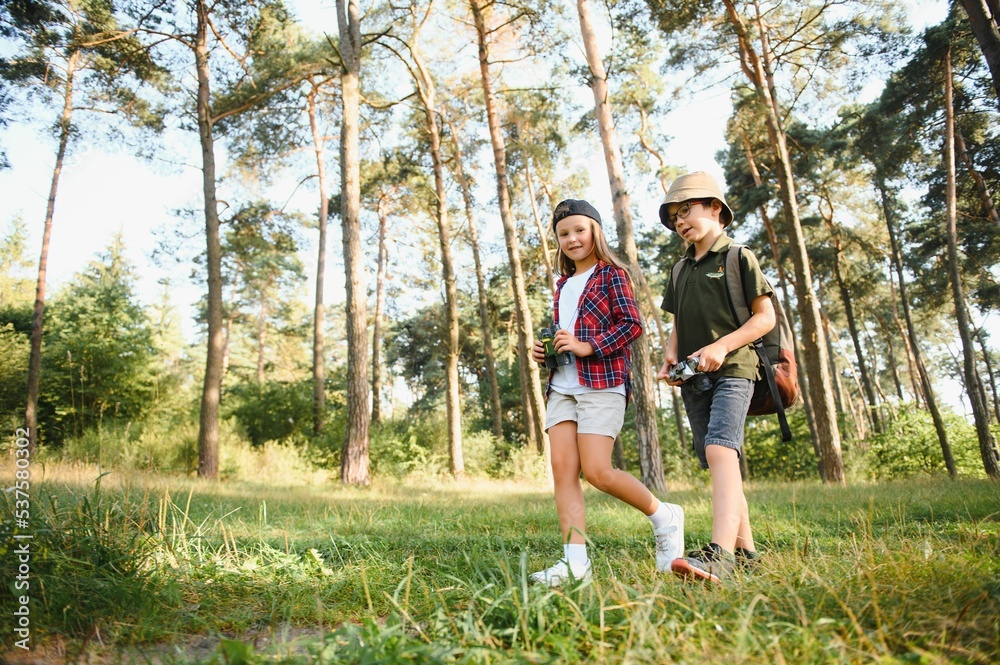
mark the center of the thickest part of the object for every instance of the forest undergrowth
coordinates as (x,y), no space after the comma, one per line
(131,567)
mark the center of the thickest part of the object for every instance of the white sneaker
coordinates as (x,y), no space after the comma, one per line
(670,539)
(561,573)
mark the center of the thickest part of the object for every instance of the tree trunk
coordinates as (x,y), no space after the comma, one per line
(643,134)
(852,325)
(759,71)
(496,408)
(211,396)
(227,325)
(650,460)
(891,358)
(765,218)
(425,90)
(38,315)
(839,397)
(319,317)
(784,279)
(678,405)
(618,455)
(261,339)
(744,467)
(981,338)
(980,413)
(873,360)
(803,381)
(925,381)
(543,238)
(984,192)
(911,363)
(654,310)
(383,224)
(845,400)
(354,466)
(984,17)
(810,416)
(531,391)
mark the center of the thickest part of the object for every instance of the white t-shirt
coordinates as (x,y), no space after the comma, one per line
(566,379)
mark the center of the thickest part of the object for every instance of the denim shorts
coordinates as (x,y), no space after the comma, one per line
(717,417)
(593,412)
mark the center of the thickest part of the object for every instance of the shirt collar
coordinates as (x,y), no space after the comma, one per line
(720,246)
(562,278)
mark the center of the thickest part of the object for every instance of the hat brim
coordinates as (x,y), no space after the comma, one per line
(665,217)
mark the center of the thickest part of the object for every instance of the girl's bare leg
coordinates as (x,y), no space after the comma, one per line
(595,460)
(566,478)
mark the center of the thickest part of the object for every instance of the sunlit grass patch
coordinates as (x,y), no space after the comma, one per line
(437,572)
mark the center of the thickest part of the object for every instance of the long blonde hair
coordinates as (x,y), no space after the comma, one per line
(601,249)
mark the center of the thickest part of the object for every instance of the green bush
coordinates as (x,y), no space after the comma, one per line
(479,451)
(287,463)
(157,445)
(401,446)
(396,451)
(525,465)
(15,348)
(275,411)
(909,446)
(770,458)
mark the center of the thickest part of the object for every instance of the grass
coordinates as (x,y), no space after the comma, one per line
(165,569)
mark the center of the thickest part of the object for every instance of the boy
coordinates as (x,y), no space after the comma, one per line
(705,328)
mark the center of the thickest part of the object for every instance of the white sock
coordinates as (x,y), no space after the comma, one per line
(576,555)
(661,517)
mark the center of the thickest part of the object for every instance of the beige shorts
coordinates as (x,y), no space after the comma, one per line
(600,413)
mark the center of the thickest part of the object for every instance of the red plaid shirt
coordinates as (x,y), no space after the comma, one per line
(609,319)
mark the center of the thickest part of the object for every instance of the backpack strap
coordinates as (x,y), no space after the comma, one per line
(740,308)
(734,282)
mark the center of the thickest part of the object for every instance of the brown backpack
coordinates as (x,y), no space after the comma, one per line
(778,387)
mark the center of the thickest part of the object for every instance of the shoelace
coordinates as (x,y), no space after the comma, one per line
(665,537)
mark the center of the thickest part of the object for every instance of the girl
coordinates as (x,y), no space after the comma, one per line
(597,318)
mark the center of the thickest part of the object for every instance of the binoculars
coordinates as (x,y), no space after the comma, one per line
(553,358)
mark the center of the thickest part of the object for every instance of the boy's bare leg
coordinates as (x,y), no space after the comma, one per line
(728,502)
(595,459)
(566,478)
(744,538)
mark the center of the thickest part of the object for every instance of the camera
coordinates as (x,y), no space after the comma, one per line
(553,358)
(687,372)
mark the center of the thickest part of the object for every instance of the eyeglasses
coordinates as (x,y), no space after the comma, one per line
(684,210)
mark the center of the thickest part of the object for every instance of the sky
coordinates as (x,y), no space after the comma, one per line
(105,189)
(141,196)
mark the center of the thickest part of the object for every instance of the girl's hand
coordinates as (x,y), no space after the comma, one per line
(710,357)
(538,352)
(565,341)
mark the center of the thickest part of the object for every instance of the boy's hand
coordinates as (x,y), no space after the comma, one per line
(565,341)
(710,357)
(538,352)
(668,362)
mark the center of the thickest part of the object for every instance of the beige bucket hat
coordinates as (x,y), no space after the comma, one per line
(697,185)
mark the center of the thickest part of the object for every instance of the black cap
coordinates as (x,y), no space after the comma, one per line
(571,207)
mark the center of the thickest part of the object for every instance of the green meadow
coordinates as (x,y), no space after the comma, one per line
(130,567)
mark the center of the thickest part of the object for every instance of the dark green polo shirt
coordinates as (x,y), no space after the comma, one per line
(700,305)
